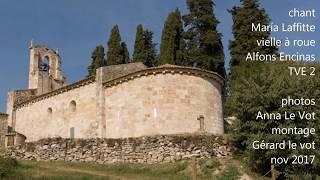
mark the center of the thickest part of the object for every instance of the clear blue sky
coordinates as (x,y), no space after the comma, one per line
(77,26)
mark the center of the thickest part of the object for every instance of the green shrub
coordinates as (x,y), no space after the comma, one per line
(7,165)
(208,166)
(230,173)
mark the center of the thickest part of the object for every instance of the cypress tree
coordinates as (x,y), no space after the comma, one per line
(125,57)
(244,39)
(149,49)
(139,49)
(97,60)
(144,48)
(172,42)
(204,47)
(114,47)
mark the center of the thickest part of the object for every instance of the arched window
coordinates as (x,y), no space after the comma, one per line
(49,111)
(73,106)
(44,65)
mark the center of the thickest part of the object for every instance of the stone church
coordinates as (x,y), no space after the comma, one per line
(121,101)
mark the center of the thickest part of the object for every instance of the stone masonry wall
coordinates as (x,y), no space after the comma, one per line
(58,115)
(155,149)
(163,103)
(18,96)
(3,129)
(125,101)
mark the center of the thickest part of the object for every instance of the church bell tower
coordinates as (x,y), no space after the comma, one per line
(45,69)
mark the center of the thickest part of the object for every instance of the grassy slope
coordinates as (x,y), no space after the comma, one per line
(209,169)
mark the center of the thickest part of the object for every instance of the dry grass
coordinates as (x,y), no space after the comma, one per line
(207,169)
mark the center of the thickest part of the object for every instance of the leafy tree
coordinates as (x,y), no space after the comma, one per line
(97,60)
(125,57)
(261,89)
(244,38)
(114,47)
(203,41)
(172,42)
(139,49)
(149,49)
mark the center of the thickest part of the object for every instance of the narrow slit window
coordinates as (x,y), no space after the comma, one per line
(73,106)
(72,133)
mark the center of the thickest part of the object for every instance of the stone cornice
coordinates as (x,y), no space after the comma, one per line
(164,70)
(3,114)
(67,88)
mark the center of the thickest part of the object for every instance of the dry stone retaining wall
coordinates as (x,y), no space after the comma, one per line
(155,149)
